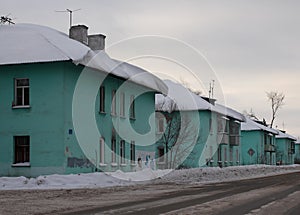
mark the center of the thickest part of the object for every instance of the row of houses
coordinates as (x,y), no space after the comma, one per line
(67,107)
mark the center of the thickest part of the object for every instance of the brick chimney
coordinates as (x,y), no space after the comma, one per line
(79,33)
(96,42)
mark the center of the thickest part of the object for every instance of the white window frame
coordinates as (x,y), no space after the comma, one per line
(16,87)
(113,150)
(132,107)
(122,152)
(122,104)
(102,99)
(132,152)
(160,125)
(102,150)
(113,102)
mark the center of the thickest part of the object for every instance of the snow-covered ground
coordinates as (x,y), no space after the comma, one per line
(119,178)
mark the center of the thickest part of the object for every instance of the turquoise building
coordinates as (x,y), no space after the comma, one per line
(297,153)
(258,143)
(193,131)
(67,107)
(285,148)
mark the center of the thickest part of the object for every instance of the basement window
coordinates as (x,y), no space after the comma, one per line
(21,150)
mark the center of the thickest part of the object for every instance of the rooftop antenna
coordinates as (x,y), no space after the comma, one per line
(70,12)
(6,19)
(211,89)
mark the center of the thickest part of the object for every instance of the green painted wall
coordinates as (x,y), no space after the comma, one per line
(48,121)
(283,154)
(206,150)
(261,154)
(297,153)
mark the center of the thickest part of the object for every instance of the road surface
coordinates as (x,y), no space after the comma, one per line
(269,195)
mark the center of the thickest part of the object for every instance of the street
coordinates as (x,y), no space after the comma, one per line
(269,195)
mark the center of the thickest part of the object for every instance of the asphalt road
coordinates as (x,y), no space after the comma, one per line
(270,195)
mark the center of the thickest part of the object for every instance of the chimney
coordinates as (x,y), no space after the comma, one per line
(79,33)
(96,42)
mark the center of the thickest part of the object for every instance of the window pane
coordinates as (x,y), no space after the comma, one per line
(26,96)
(102,99)
(19,96)
(21,149)
(23,82)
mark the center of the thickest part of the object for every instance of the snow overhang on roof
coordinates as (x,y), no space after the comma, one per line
(179,98)
(229,112)
(250,125)
(28,43)
(186,100)
(282,135)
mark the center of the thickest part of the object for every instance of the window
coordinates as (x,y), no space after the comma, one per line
(21,92)
(160,125)
(113,103)
(122,104)
(237,155)
(132,107)
(132,152)
(122,151)
(102,150)
(22,149)
(113,147)
(161,153)
(219,154)
(230,154)
(102,99)
(225,154)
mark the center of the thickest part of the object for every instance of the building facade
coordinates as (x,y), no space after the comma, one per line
(46,101)
(258,143)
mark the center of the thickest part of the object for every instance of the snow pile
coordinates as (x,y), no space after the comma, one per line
(119,178)
(216,174)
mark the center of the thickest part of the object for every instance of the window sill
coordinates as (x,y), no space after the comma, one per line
(133,164)
(113,114)
(103,164)
(122,117)
(114,164)
(161,163)
(123,164)
(102,112)
(132,118)
(21,107)
(21,165)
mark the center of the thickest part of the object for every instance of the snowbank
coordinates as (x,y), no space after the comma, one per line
(119,178)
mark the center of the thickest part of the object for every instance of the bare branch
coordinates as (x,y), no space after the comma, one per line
(276,100)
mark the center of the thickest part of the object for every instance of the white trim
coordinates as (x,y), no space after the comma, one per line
(114,164)
(20,106)
(26,164)
(123,164)
(102,164)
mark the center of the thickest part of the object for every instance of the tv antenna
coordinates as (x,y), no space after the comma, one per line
(211,89)
(6,19)
(70,12)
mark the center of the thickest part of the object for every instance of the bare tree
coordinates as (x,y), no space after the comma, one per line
(179,136)
(276,103)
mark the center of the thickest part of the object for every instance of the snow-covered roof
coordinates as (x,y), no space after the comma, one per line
(250,125)
(285,135)
(185,100)
(29,43)
(226,111)
(180,98)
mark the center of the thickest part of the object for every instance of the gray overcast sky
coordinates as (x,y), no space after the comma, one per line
(253,46)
